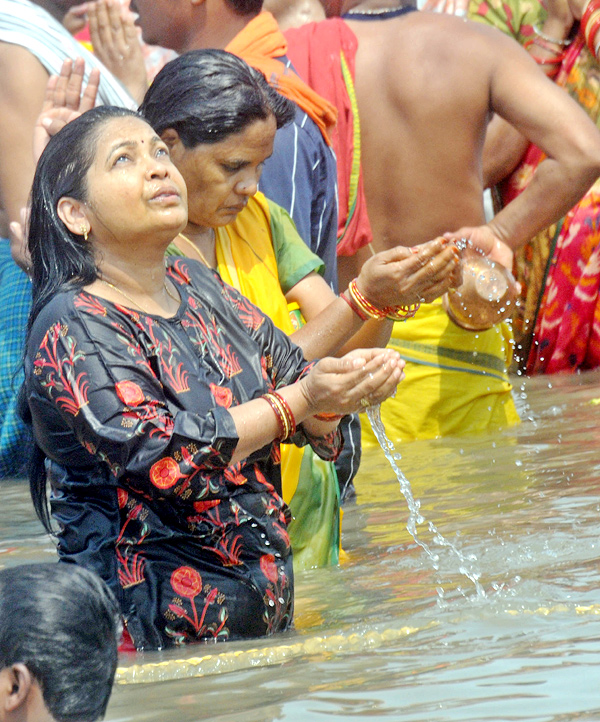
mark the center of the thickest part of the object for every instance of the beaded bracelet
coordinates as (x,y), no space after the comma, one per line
(548,39)
(283,412)
(403,313)
(363,316)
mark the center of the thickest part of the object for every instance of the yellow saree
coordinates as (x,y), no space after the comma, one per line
(247,261)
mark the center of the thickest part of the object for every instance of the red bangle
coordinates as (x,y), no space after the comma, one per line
(590,30)
(354,307)
(541,44)
(365,305)
(588,11)
(281,409)
(288,412)
(557,60)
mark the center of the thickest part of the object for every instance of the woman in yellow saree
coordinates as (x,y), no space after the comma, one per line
(219,118)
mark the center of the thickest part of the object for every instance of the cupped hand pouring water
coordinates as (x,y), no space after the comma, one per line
(361,378)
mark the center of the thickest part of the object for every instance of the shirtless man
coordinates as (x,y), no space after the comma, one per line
(426,86)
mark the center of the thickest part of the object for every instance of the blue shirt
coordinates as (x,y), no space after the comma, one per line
(301,176)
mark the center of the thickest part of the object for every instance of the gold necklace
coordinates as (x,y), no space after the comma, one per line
(196,249)
(132,300)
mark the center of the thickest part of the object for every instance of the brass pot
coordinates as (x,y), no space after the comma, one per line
(487,295)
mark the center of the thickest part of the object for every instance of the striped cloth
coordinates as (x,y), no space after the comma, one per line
(15,300)
(23,23)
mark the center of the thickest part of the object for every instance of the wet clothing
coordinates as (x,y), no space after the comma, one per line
(261,255)
(455,380)
(132,412)
(557,325)
(300,176)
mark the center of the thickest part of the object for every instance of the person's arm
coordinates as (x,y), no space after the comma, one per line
(553,121)
(398,277)
(22,86)
(84,378)
(333,386)
(504,144)
(504,147)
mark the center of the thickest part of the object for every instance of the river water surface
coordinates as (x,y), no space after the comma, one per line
(387,635)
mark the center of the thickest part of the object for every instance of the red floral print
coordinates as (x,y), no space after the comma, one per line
(129,392)
(269,568)
(165,473)
(222,395)
(186,582)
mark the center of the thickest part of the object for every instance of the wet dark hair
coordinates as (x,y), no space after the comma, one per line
(59,258)
(206,95)
(245,7)
(62,622)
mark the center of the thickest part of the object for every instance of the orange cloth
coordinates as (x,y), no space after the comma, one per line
(331,44)
(260,43)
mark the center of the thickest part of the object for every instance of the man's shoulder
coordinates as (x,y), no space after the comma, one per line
(330,30)
(303,132)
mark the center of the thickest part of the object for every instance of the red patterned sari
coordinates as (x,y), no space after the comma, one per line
(558,323)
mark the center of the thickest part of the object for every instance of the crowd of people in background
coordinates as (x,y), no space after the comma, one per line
(227,230)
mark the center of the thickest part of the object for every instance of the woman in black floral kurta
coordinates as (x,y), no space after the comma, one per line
(145,391)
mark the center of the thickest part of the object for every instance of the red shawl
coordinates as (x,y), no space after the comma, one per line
(323,54)
(259,44)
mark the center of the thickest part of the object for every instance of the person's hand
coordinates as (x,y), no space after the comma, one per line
(359,379)
(403,276)
(75,18)
(484,239)
(116,43)
(64,101)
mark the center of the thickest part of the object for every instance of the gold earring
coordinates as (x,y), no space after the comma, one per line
(84,232)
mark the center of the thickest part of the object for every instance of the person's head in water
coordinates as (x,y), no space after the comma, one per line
(59,632)
(219,117)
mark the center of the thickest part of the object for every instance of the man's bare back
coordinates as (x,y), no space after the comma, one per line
(421,145)
(427,85)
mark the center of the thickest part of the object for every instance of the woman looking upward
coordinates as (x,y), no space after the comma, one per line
(159,396)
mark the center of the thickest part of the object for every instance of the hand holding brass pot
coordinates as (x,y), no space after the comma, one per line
(487,295)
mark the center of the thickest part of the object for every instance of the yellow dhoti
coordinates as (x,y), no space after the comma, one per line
(456,380)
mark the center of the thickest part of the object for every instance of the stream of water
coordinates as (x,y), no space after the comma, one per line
(490,615)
